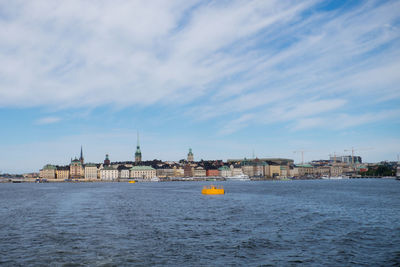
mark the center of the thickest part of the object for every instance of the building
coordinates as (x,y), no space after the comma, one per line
(272,170)
(142,172)
(48,172)
(305,169)
(138,153)
(212,172)
(108,173)
(62,172)
(178,172)
(347,159)
(253,168)
(190,157)
(91,171)
(124,171)
(199,172)
(76,169)
(323,171)
(278,161)
(188,170)
(236,169)
(166,172)
(225,171)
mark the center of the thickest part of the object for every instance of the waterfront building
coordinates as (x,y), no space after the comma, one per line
(284,171)
(305,169)
(272,171)
(167,172)
(188,170)
(225,171)
(347,159)
(253,168)
(142,172)
(190,157)
(294,172)
(212,172)
(62,172)
(322,171)
(138,153)
(248,170)
(178,172)
(76,169)
(108,173)
(199,172)
(107,161)
(91,171)
(124,171)
(48,172)
(236,169)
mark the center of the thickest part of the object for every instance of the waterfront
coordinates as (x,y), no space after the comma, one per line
(316,222)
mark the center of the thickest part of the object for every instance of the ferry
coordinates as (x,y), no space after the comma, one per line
(239,177)
(132,182)
(213,190)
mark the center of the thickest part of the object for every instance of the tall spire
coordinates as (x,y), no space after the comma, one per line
(138,146)
(138,153)
(81,157)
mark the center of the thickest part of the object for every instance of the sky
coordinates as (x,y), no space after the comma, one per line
(229,79)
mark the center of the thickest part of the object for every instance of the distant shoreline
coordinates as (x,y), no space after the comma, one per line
(171,179)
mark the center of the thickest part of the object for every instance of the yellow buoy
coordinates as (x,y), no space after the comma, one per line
(213,190)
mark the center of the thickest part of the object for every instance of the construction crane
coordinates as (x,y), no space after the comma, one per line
(352,153)
(334,157)
(302,155)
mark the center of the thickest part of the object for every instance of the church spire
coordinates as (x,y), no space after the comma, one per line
(81,157)
(138,153)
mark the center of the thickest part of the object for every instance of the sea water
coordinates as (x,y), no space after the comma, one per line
(286,223)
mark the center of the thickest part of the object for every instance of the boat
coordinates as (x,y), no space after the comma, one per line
(338,177)
(213,190)
(239,177)
(132,182)
(155,179)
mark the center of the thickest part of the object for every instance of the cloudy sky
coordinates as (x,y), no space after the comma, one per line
(225,78)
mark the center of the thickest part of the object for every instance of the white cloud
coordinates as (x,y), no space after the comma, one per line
(47,120)
(239,60)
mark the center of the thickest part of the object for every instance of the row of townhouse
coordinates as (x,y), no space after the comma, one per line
(94,172)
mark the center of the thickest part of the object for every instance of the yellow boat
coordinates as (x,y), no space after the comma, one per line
(213,190)
(132,182)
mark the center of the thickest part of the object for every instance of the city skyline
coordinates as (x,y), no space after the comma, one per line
(224,79)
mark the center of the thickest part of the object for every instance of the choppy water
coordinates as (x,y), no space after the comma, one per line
(333,223)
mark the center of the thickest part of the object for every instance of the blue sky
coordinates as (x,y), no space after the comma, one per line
(222,77)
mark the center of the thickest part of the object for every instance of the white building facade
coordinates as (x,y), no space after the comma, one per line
(91,172)
(108,174)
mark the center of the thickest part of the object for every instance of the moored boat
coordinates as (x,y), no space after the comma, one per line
(239,177)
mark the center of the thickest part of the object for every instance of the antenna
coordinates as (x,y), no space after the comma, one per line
(138,138)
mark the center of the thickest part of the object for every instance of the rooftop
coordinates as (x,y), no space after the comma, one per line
(142,168)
